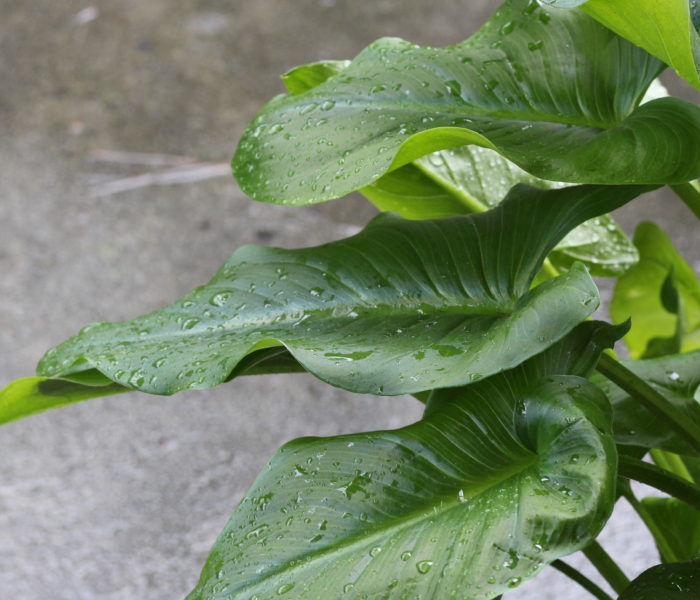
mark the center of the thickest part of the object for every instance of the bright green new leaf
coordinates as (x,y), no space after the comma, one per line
(473,179)
(679,523)
(33,395)
(309,76)
(550,89)
(667,29)
(661,294)
(402,307)
(514,472)
(672,581)
(678,379)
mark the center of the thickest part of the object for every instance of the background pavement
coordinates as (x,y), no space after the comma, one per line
(121,498)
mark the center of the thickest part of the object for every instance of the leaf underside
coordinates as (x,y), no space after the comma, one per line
(512,473)
(402,307)
(510,87)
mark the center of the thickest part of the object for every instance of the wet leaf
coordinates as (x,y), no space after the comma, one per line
(514,472)
(668,29)
(661,294)
(673,581)
(677,377)
(402,307)
(511,88)
(680,524)
(472,179)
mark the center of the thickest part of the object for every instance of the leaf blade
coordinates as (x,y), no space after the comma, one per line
(443,301)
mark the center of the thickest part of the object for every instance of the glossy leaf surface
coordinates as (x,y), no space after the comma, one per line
(510,88)
(472,179)
(667,29)
(673,581)
(680,524)
(402,307)
(33,395)
(662,296)
(514,472)
(678,379)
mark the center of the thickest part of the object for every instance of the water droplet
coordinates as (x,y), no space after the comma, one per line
(424,566)
(283,589)
(537,45)
(375,551)
(406,555)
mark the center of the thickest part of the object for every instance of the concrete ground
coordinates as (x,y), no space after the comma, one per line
(121,498)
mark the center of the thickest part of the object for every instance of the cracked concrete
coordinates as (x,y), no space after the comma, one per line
(121,498)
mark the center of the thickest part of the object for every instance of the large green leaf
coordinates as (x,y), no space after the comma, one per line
(679,524)
(514,472)
(401,307)
(552,90)
(673,581)
(666,28)
(662,295)
(678,379)
(472,179)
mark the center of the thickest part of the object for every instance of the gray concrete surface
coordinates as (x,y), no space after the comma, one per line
(121,498)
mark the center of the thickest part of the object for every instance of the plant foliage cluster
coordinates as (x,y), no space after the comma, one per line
(497,161)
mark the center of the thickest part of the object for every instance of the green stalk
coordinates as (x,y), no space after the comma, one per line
(665,549)
(606,566)
(671,462)
(652,400)
(690,194)
(663,480)
(581,579)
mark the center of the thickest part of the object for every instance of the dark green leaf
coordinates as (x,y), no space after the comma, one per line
(399,308)
(673,581)
(473,179)
(514,472)
(678,379)
(667,29)
(304,78)
(679,523)
(509,88)
(662,295)
(33,395)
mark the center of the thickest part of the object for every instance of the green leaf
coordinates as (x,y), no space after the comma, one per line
(304,78)
(662,295)
(667,29)
(472,179)
(402,307)
(679,523)
(514,472)
(678,379)
(511,87)
(33,395)
(673,581)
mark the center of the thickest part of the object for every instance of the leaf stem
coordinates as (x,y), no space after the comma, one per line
(690,194)
(606,566)
(652,400)
(665,550)
(581,579)
(661,479)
